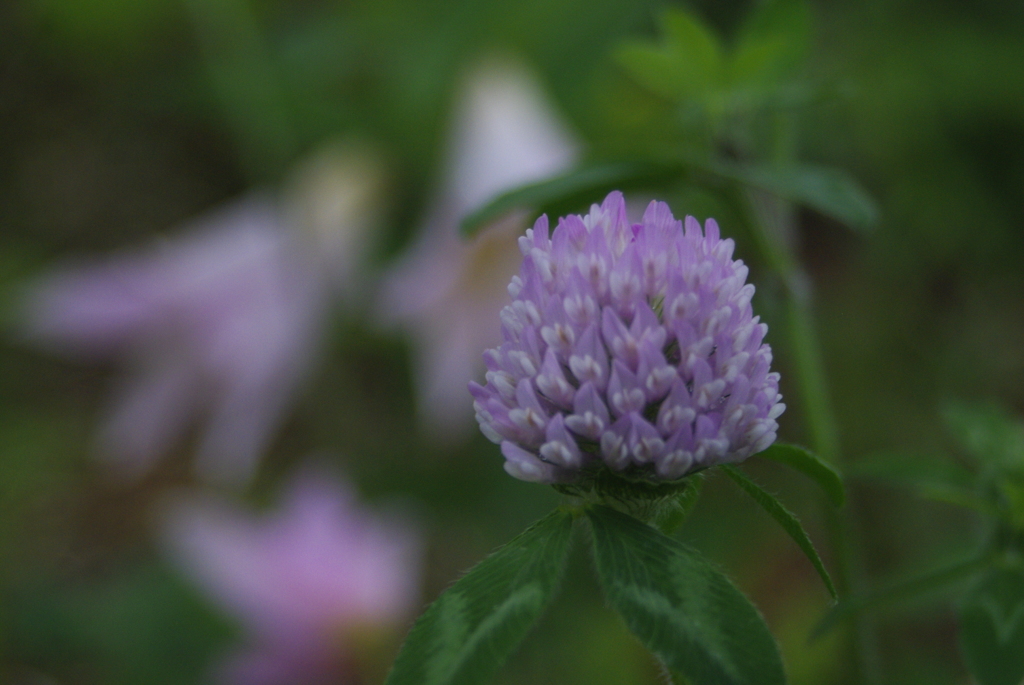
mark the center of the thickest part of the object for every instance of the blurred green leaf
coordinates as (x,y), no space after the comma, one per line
(910,470)
(464,636)
(910,588)
(693,42)
(828,191)
(654,68)
(992,628)
(686,64)
(960,497)
(987,432)
(579,187)
(111,28)
(245,78)
(1012,490)
(811,465)
(772,43)
(935,478)
(680,606)
(785,518)
(141,624)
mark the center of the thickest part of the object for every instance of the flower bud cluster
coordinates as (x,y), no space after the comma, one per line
(632,346)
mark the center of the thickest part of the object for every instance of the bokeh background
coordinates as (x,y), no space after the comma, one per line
(121,121)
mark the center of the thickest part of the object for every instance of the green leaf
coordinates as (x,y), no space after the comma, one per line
(829,191)
(573,190)
(960,497)
(988,433)
(904,590)
(992,628)
(693,42)
(686,64)
(910,470)
(678,509)
(1012,489)
(464,636)
(811,465)
(773,42)
(785,518)
(931,477)
(659,71)
(682,608)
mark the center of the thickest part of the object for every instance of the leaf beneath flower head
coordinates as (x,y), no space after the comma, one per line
(829,191)
(681,607)
(811,465)
(784,518)
(568,192)
(464,636)
(992,628)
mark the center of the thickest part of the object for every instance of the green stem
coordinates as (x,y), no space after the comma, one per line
(821,428)
(806,352)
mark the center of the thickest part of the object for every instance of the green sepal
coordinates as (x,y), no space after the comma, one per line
(464,636)
(786,519)
(675,512)
(680,606)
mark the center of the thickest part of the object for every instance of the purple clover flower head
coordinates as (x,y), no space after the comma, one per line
(632,346)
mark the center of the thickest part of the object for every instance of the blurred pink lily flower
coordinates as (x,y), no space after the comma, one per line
(446,290)
(218,324)
(317,584)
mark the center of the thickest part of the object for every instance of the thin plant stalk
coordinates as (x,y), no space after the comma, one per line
(771,224)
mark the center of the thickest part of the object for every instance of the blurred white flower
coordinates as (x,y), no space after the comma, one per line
(315,583)
(446,289)
(220,322)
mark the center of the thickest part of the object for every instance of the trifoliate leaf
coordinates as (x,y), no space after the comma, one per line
(680,606)
(464,636)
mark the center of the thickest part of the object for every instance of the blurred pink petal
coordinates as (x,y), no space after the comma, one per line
(447,292)
(220,323)
(305,580)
